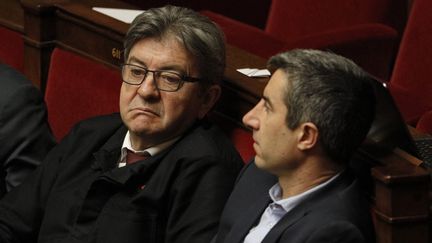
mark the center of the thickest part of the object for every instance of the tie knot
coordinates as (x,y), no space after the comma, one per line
(132,157)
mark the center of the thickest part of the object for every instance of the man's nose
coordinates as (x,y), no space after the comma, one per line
(250,120)
(148,86)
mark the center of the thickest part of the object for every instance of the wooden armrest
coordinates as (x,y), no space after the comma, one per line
(401,197)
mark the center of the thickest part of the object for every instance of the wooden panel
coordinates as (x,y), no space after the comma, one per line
(12,15)
(402,198)
(96,42)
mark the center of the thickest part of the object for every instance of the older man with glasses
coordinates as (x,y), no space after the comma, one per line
(155,173)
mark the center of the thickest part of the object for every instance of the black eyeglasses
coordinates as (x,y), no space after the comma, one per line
(168,81)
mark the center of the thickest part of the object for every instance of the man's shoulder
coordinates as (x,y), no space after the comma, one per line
(98,127)
(109,120)
(11,77)
(209,145)
(344,190)
(252,184)
(336,210)
(344,200)
(12,81)
(339,198)
(207,139)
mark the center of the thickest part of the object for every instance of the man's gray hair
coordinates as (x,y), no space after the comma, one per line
(198,34)
(330,91)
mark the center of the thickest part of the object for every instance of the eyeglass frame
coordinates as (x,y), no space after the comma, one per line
(183,78)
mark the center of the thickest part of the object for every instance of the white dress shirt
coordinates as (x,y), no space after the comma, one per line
(127,145)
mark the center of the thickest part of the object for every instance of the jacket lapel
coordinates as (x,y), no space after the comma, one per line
(291,218)
(106,161)
(258,199)
(107,156)
(251,217)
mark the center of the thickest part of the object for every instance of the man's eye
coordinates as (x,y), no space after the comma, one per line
(137,72)
(170,77)
(266,106)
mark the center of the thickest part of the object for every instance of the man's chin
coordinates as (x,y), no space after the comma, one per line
(140,130)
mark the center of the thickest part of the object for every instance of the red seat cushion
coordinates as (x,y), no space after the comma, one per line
(79,88)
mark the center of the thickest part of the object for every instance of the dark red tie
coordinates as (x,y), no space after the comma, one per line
(132,157)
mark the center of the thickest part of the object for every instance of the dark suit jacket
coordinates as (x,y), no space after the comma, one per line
(25,136)
(335,213)
(80,195)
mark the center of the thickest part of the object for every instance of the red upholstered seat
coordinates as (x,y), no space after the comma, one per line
(243,141)
(247,37)
(425,123)
(12,48)
(291,19)
(240,136)
(356,29)
(411,81)
(79,88)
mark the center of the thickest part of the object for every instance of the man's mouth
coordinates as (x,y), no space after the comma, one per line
(145,110)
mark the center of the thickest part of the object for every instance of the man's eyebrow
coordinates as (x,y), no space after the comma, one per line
(170,67)
(136,60)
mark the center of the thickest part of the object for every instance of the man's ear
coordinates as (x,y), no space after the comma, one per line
(209,99)
(308,136)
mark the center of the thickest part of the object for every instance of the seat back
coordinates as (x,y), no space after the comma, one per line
(79,88)
(11,48)
(238,134)
(359,30)
(411,80)
(291,19)
(372,47)
(425,123)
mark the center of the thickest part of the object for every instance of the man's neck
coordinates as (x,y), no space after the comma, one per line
(305,178)
(137,144)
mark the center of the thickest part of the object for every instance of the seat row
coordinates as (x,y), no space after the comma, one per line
(373,33)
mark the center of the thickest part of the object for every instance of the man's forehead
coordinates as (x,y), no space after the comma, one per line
(276,84)
(166,53)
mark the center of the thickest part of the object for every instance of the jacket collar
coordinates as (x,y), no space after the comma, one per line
(254,209)
(242,226)
(313,202)
(107,156)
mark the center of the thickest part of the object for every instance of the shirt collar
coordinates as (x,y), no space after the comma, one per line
(289,203)
(127,145)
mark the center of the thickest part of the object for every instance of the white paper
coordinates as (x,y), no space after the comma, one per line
(124,15)
(254,72)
